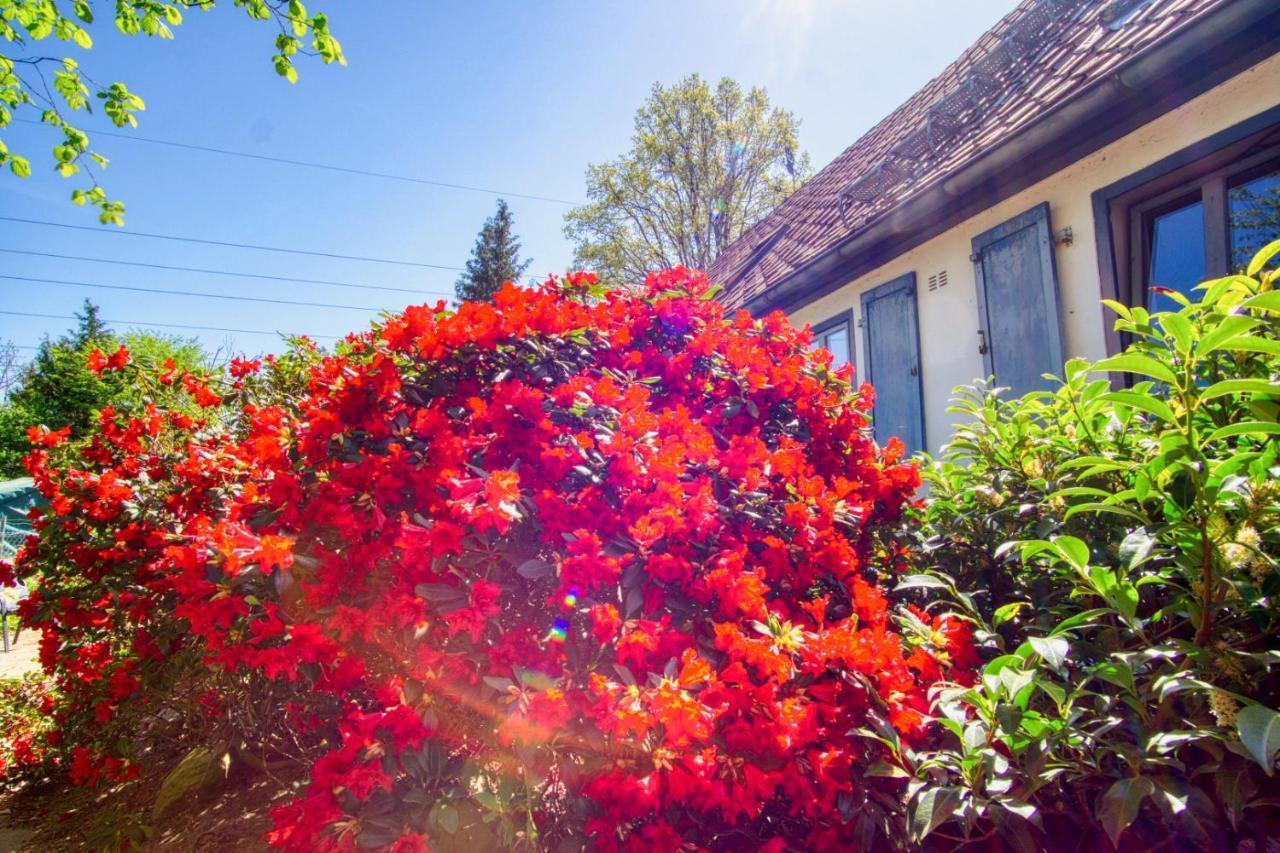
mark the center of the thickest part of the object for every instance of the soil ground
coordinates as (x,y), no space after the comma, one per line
(60,818)
(57,817)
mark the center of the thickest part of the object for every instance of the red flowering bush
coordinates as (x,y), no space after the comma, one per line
(581,562)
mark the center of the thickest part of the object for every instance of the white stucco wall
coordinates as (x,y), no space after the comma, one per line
(949,315)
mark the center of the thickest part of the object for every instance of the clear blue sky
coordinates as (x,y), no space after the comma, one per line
(518,97)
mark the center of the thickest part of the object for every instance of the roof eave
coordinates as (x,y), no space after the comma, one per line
(1247,31)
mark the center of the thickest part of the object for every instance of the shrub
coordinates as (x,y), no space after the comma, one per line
(579,563)
(1116,548)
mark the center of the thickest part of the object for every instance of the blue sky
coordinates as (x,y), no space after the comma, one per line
(518,97)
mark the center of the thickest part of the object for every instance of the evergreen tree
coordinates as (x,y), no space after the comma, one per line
(89,328)
(494,260)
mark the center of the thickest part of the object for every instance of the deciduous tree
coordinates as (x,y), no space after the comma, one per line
(705,164)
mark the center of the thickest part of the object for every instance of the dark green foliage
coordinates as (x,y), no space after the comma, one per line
(1117,550)
(494,261)
(58,390)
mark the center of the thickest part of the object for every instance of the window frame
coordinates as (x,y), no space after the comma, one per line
(844,318)
(1206,169)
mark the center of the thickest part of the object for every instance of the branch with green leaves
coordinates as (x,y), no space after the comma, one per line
(57,88)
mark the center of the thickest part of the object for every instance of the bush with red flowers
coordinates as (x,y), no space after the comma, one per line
(581,564)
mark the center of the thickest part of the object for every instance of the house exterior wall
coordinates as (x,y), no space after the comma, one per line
(948,316)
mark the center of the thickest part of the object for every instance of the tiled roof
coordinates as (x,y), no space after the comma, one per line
(1038,56)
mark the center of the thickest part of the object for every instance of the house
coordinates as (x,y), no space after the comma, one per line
(1080,150)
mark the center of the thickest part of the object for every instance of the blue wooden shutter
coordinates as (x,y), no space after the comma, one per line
(892,336)
(1018,301)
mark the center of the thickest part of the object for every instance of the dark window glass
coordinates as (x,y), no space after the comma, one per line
(1253,211)
(1177,255)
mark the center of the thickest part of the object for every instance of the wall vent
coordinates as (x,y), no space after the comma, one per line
(938,280)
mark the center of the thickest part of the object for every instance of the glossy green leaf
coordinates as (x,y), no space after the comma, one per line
(1053,650)
(1253,428)
(1005,612)
(1120,805)
(1264,254)
(1143,403)
(930,808)
(1179,328)
(1239,386)
(1221,335)
(1259,730)
(1073,550)
(1142,365)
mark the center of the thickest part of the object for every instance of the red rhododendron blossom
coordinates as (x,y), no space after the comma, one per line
(610,561)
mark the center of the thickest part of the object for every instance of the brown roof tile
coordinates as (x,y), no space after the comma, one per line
(1038,56)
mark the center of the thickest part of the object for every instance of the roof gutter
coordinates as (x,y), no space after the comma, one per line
(1175,71)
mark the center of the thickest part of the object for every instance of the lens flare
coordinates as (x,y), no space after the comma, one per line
(571,598)
(559,631)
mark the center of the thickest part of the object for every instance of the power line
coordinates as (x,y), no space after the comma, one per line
(166,325)
(232,245)
(56,281)
(325,166)
(225,272)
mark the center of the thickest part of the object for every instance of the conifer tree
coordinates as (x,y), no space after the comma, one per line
(494,260)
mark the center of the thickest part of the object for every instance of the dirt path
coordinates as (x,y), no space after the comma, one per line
(22,657)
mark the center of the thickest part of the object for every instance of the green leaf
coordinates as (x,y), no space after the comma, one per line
(1259,727)
(1136,547)
(1101,507)
(1143,403)
(921,582)
(1239,386)
(1120,805)
(445,816)
(1078,620)
(1258,428)
(1179,328)
(1118,674)
(930,809)
(534,569)
(198,771)
(439,592)
(1269,301)
(1220,336)
(1005,612)
(1013,819)
(1053,650)
(285,68)
(1252,343)
(1142,365)
(1073,550)
(1264,254)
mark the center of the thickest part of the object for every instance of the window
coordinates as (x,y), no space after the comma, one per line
(1201,217)
(1253,214)
(836,335)
(1176,253)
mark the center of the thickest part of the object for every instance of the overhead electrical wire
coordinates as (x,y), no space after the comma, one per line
(62,282)
(149,323)
(225,272)
(209,149)
(231,244)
